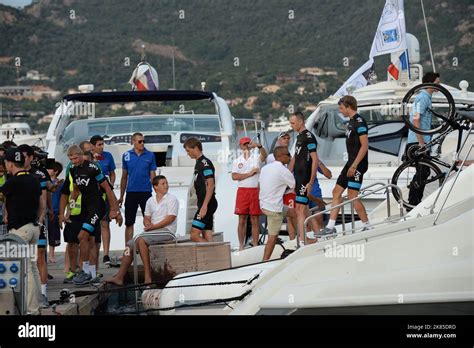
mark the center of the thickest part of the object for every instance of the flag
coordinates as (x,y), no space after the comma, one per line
(399,64)
(391,32)
(361,78)
(144,78)
(390,37)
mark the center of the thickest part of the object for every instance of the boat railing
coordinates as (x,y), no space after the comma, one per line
(362,191)
(453,182)
(258,127)
(382,185)
(135,261)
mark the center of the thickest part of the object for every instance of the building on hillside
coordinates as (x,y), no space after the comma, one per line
(271,89)
(16,91)
(315,71)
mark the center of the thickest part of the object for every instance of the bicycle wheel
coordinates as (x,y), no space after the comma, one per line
(422,177)
(443,108)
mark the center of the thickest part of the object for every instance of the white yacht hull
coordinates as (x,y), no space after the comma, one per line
(413,261)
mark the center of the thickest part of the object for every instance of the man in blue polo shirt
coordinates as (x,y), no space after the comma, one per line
(138,171)
(420,117)
(107,164)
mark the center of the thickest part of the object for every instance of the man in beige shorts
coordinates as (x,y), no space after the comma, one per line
(274,180)
(22,194)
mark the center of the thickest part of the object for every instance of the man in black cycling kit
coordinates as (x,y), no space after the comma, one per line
(43,177)
(357,144)
(88,181)
(204,184)
(304,166)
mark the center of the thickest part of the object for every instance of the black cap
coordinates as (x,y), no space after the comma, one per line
(14,154)
(26,148)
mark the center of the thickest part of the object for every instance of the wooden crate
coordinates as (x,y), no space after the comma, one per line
(169,260)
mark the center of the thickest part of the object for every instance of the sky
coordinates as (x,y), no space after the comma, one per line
(15,3)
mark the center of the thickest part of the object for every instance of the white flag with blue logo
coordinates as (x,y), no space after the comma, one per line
(391,31)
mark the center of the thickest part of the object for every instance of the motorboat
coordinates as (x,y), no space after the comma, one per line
(76,120)
(20,133)
(380,104)
(279,125)
(415,263)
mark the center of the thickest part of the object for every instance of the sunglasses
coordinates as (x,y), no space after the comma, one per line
(141,141)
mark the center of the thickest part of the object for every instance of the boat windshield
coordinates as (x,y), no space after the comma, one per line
(373,115)
(143,124)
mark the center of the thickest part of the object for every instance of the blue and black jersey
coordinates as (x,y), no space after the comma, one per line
(87,177)
(355,129)
(305,145)
(204,169)
(42,176)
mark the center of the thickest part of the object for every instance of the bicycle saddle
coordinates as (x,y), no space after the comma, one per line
(466,114)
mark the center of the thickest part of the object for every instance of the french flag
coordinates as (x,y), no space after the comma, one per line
(400,63)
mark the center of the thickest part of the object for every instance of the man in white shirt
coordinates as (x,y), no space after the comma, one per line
(245,170)
(289,197)
(274,180)
(160,215)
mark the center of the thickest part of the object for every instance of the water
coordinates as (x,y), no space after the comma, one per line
(119,303)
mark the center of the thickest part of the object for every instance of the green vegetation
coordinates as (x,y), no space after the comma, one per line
(95,37)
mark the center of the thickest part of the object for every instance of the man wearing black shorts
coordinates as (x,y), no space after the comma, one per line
(138,171)
(43,177)
(357,144)
(88,179)
(204,184)
(304,165)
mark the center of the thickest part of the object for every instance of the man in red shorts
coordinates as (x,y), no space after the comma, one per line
(245,170)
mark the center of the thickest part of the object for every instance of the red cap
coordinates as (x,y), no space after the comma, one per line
(244,140)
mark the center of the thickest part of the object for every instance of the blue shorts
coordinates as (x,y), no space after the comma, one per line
(316,192)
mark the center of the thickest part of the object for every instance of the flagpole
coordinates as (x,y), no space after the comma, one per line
(428,35)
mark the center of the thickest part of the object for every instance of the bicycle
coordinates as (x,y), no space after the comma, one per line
(420,168)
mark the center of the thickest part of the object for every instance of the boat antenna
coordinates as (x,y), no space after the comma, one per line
(428,36)
(143,58)
(174,74)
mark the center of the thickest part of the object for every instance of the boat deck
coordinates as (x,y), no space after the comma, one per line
(80,305)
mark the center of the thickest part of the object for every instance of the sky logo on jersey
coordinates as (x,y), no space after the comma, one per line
(348,132)
(357,175)
(94,219)
(302,190)
(82,182)
(204,162)
(298,150)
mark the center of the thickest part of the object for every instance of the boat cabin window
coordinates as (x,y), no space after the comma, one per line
(83,129)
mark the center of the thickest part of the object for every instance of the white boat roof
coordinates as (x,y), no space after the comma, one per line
(394,91)
(17,125)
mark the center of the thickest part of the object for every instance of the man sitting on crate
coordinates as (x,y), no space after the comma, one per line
(160,216)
